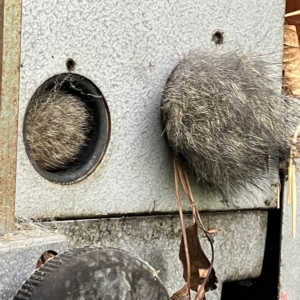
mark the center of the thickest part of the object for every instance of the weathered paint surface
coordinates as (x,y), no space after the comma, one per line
(128,49)
(156,239)
(11,12)
(19,253)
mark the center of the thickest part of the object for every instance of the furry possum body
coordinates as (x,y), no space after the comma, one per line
(56,129)
(221,114)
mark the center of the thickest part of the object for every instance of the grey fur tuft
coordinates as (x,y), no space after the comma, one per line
(56,129)
(221,113)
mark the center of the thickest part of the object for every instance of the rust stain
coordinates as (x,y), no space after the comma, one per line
(10,43)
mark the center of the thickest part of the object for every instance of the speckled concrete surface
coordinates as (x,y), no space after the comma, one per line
(128,49)
(19,253)
(239,246)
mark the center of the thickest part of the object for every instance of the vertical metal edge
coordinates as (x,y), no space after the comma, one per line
(1,41)
(10,77)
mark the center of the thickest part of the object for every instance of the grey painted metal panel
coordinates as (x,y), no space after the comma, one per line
(19,254)
(156,239)
(128,49)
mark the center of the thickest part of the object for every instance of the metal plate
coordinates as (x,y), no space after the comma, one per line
(128,49)
(10,40)
(156,240)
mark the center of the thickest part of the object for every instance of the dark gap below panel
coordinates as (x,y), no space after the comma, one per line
(265,287)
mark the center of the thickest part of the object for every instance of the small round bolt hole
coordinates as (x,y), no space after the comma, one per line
(267,203)
(218,37)
(70,64)
(45,257)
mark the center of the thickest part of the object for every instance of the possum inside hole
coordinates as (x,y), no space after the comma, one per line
(56,129)
(222,115)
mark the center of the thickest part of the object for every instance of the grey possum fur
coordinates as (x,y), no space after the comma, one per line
(222,115)
(56,129)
